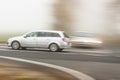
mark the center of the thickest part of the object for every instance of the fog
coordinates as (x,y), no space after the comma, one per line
(25,15)
(92,16)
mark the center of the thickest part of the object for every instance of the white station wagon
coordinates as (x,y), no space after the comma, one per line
(50,39)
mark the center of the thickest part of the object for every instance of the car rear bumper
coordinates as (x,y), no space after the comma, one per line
(65,45)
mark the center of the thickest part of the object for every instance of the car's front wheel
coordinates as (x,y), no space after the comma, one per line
(54,47)
(15,45)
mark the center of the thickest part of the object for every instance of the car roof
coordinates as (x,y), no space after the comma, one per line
(46,31)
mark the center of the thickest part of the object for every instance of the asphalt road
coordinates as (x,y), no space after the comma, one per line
(101,64)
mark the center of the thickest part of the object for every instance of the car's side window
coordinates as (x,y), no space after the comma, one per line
(47,34)
(50,34)
(55,35)
(32,34)
(40,34)
(43,34)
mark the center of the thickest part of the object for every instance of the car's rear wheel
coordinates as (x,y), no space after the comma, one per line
(54,47)
(15,45)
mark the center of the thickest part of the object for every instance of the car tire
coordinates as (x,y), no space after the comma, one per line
(15,45)
(54,47)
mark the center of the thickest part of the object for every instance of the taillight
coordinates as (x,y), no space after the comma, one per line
(63,39)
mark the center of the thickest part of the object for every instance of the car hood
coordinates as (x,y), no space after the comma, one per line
(15,38)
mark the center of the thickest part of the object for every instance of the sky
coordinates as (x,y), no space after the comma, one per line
(90,16)
(25,15)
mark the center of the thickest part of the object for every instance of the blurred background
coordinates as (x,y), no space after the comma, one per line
(101,17)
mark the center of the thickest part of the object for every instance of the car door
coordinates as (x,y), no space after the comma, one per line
(42,39)
(29,40)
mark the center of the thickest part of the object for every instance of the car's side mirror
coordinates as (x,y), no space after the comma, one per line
(25,36)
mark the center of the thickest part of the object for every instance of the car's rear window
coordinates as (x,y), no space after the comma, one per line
(65,35)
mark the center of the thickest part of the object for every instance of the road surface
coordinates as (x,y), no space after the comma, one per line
(100,64)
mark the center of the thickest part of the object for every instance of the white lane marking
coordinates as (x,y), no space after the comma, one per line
(18,50)
(13,50)
(72,72)
(90,50)
(70,52)
(97,55)
(5,50)
(74,50)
